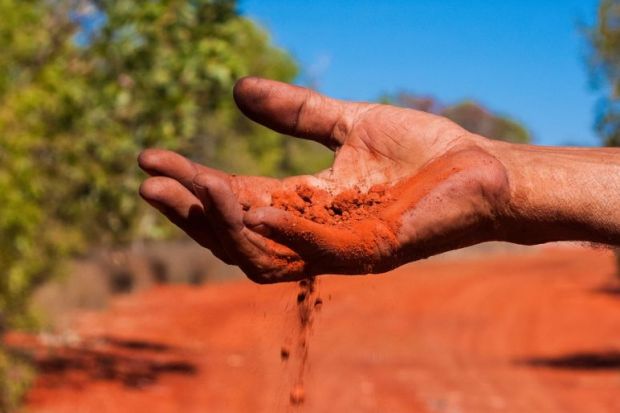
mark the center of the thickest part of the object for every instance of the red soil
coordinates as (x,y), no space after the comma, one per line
(321,207)
(535,332)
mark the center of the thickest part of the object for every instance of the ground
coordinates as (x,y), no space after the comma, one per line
(537,331)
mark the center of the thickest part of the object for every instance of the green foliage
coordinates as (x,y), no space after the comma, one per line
(30,108)
(605,67)
(35,56)
(470,115)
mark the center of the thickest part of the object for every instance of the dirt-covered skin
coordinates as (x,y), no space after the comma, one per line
(409,184)
(437,188)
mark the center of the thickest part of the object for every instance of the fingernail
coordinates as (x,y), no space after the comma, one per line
(261,229)
(201,191)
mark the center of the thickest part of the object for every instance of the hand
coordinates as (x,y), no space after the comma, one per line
(404,185)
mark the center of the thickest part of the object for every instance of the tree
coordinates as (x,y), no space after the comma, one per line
(470,115)
(604,38)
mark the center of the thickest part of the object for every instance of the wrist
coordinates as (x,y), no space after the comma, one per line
(559,193)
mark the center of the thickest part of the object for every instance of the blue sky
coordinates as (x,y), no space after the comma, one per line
(523,58)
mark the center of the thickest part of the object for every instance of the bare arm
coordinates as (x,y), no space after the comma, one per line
(560,193)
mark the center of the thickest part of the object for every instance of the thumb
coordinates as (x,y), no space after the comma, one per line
(295,110)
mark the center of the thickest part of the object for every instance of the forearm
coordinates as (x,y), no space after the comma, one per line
(559,193)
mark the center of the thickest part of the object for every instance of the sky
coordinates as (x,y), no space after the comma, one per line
(522,58)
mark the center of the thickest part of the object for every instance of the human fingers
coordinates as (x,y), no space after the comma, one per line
(225,214)
(250,190)
(161,162)
(184,210)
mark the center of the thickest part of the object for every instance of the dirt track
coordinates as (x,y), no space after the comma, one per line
(535,332)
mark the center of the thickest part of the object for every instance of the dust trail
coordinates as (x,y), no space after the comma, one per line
(308,303)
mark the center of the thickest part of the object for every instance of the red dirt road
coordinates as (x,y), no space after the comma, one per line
(534,332)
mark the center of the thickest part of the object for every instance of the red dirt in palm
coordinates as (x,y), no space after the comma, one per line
(321,207)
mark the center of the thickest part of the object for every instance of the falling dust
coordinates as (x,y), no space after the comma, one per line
(308,303)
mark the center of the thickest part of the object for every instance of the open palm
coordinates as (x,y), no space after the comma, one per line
(404,185)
